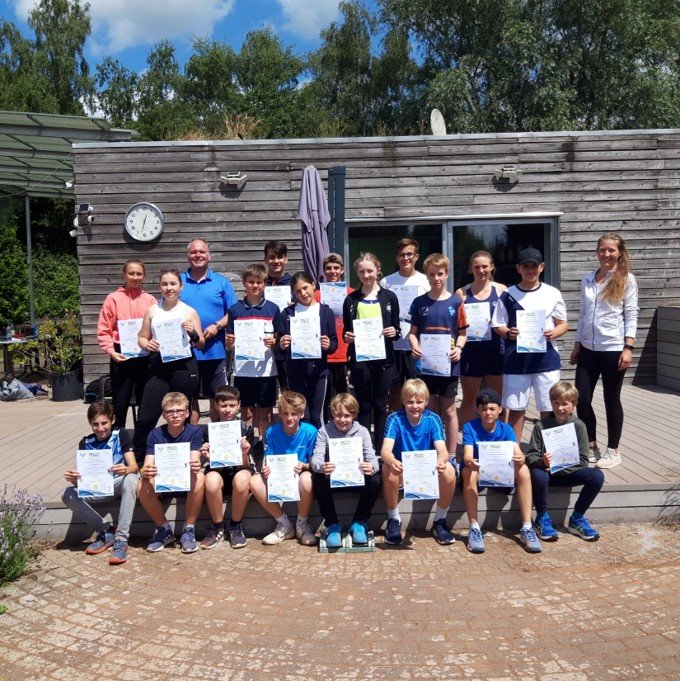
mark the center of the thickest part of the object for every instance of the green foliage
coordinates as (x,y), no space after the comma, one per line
(14,279)
(55,283)
(59,343)
(117,89)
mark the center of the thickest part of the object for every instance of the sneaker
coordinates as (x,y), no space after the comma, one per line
(161,539)
(214,537)
(237,538)
(530,540)
(103,541)
(545,529)
(305,534)
(334,536)
(475,542)
(441,533)
(582,528)
(119,555)
(279,534)
(359,533)
(609,459)
(594,454)
(188,540)
(393,532)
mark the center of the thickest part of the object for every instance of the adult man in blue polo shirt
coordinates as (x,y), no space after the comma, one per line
(211,295)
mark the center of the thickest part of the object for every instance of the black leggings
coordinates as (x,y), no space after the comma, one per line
(591,365)
(371,382)
(127,378)
(180,375)
(324,497)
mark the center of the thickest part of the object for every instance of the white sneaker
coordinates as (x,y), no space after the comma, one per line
(594,454)
(280,533)
(609,459)
(305,534)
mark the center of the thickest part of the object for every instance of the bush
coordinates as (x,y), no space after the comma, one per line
(18,515)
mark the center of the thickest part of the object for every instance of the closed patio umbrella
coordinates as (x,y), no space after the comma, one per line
(314,215)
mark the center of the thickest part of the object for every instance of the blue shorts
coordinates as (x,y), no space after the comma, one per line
(481,358)
(256,392)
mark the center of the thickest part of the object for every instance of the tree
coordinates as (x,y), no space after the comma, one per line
(117,92)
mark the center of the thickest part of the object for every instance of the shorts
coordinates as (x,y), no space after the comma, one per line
(404,368)
(441,386)
(256,392)
(228,474)
(212,374)
(517,388)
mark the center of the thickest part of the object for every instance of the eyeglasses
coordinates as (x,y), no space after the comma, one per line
(174,412)
(407,255)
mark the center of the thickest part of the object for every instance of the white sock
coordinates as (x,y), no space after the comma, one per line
(527,525)
(301,519)
(166,525)
(283,519)
(393,514)
(188,526)
(440,514)
(474,525)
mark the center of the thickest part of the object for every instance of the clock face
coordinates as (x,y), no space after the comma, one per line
(144,221)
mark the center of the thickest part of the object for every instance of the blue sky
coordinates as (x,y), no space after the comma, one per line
(126,29)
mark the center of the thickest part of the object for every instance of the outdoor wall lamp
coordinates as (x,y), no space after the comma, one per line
(508,173)
(234,179)
(82,216)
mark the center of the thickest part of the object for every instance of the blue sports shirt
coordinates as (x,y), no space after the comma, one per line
(408,438)
(474,432)
(301,443)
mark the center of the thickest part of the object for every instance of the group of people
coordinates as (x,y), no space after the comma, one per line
(426,339)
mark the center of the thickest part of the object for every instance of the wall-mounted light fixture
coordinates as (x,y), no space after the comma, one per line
(82,216)
(507,173)
(234,179)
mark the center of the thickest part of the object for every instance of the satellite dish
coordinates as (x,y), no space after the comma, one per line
(437,122)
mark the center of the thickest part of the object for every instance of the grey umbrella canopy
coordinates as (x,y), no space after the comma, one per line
(314,215)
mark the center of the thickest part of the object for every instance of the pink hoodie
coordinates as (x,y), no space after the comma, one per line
(123,303)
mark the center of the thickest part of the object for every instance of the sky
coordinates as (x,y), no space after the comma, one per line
(127,29)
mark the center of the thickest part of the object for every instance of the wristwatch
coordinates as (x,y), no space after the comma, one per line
(629,347)
(219,327)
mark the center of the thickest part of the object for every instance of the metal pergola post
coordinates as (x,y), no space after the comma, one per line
(29,258)
(336,208)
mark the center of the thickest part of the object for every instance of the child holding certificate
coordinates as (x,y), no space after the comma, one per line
(414,429)
(438,335)
(308,337)
(124,470)
(277,290)
(562,436)
(176,431)
(489,429)
(234,477)
(343,449)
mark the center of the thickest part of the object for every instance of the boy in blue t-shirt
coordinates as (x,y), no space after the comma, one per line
(289,436)
(488,428)
(175,408)
(101,416)
(411,429)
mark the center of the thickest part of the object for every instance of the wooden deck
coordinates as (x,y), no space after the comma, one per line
(39,438)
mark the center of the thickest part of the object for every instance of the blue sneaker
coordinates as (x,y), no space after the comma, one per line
(582,528)
(103,541)
(442,533)
(359,534)
(475,542)
(188,540)
(161,539)
(530,540)
(334,536)
(545,529)
(393,532)
(119,554)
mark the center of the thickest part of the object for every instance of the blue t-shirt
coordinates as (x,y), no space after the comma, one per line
(474,432)
(211,298)
(119,441)
(301,443)
(160,436)
(408,438)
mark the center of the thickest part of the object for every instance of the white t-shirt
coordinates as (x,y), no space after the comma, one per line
(418,285)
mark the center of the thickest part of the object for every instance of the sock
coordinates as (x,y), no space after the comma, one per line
(235,523)
(527,525)
(166,525)
(576,515)
(542,515)
(393,514)
(301,519)
(284,520)
(188,526)
(474,525)
(440,514)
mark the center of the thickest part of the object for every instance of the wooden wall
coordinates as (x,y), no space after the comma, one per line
(626,181)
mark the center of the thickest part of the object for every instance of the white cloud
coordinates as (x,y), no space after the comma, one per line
(306,18)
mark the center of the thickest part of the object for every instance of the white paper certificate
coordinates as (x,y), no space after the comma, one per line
(225,444)
(435,348)
(531,325)
(249,344)
(305,336)
(173,339)
(496,468)
(93,466)
(333,294)
(369,343)
(562,443)
(282,483)
(405,295)
(280,295)
(128,331)
(479,320)
(420,475)
(172,462)
(347,454)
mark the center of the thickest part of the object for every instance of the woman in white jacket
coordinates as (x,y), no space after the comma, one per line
(605,340)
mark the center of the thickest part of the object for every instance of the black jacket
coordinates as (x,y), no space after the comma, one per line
(327,324)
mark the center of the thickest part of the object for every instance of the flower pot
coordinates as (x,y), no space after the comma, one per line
(67,387)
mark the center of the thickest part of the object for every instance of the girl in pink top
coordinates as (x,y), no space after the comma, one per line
(124,309)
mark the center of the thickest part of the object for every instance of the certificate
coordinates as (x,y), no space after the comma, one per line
(531,325)
(333,294)
(282,483)
(280,295)
(173,339)
(249,344)
(172,462)
(93,466)
(305,336)
(420,475)
(562,443)
(346,453)
(369,342)
(435,348)
(225,444)
(128,332)
(405,295)
(479,321)
(496,468)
